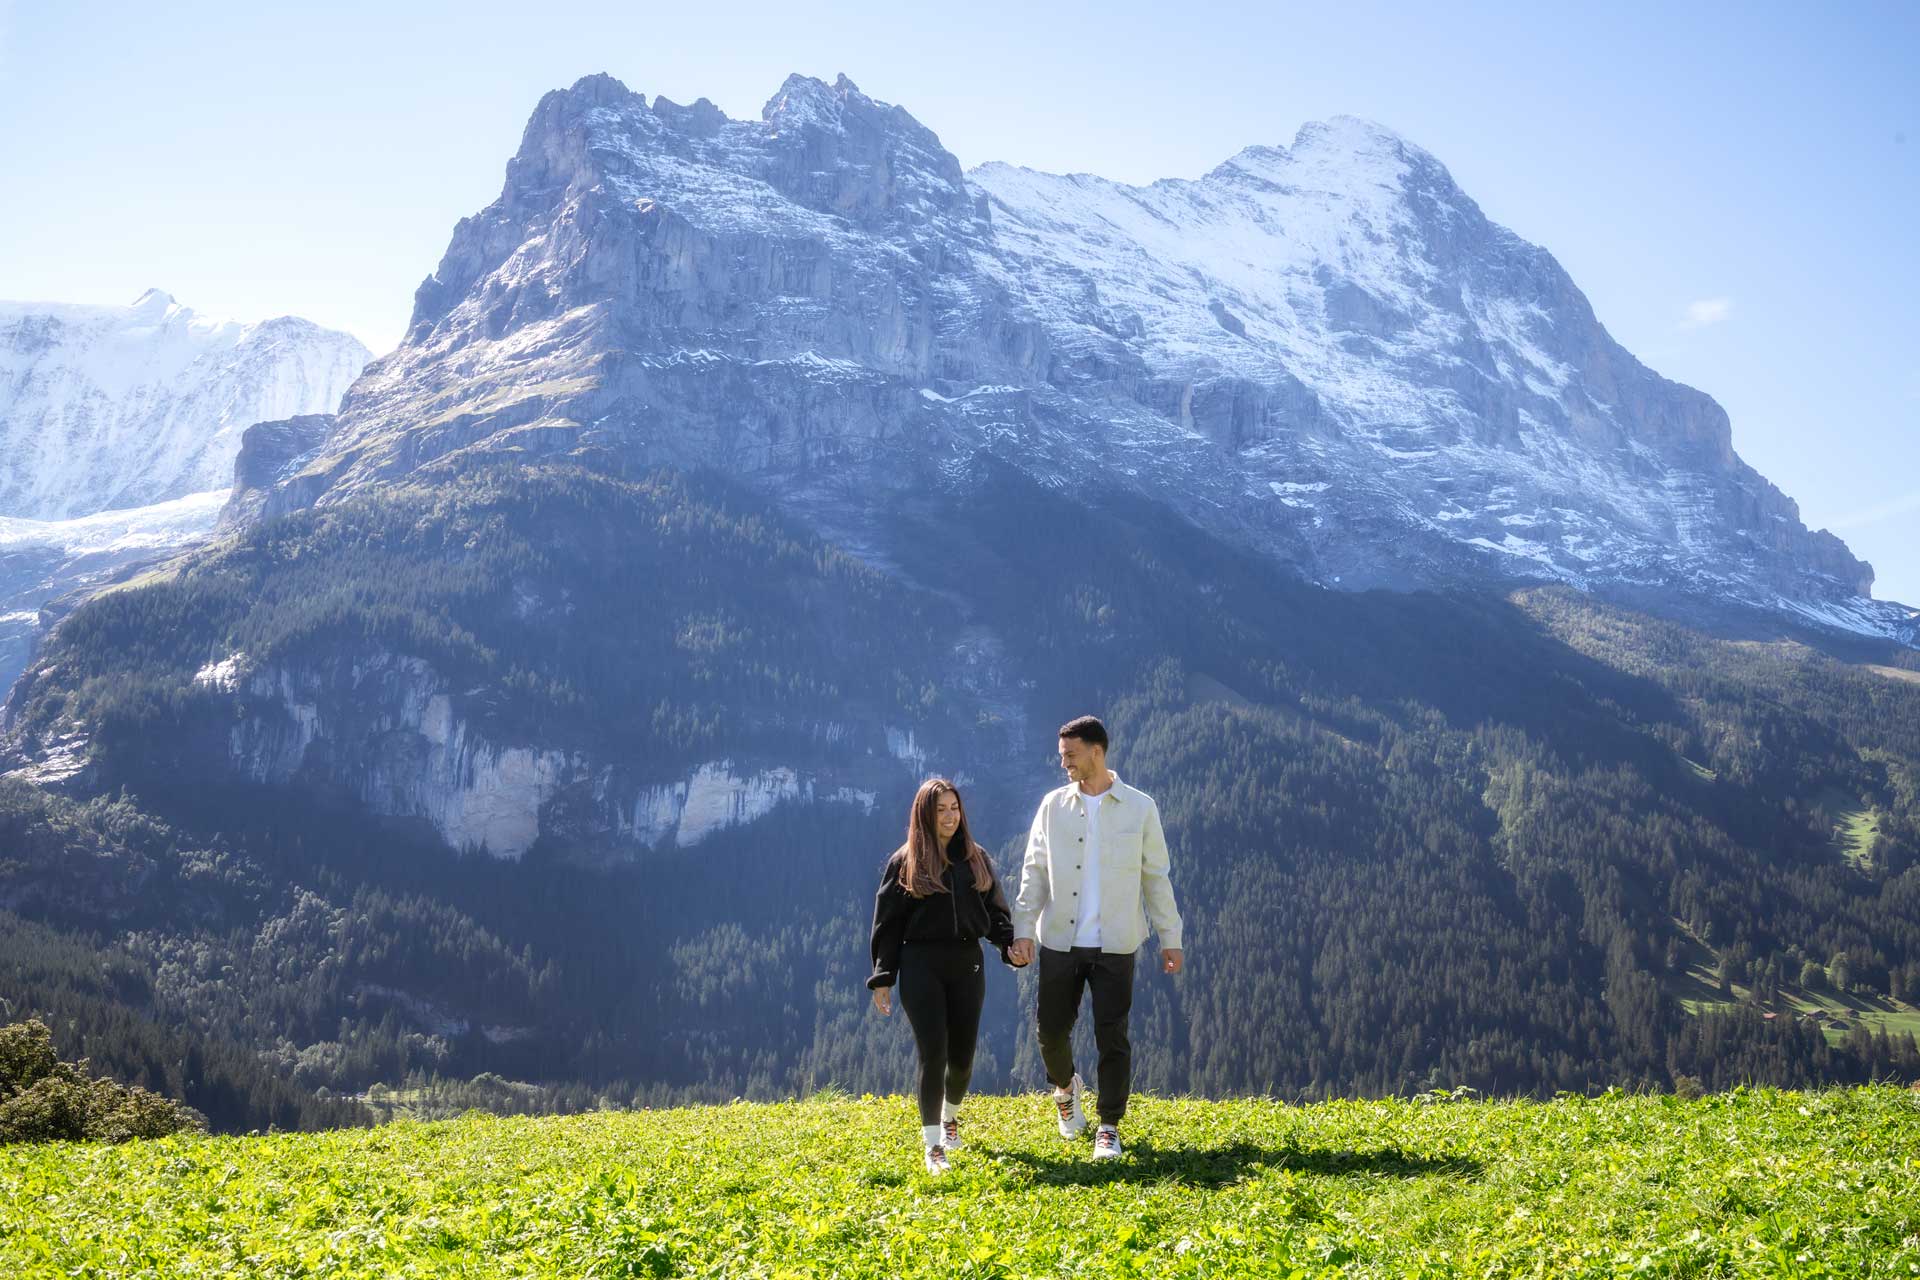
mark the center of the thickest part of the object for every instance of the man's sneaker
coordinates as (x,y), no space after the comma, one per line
(1072,1118)
(950,1134)
(1106,1143)
(937,1161)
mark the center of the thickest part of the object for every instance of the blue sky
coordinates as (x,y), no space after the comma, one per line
(1734,186)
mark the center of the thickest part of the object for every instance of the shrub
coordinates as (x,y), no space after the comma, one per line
(43,1099)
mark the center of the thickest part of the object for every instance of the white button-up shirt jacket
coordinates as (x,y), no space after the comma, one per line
(1132,865)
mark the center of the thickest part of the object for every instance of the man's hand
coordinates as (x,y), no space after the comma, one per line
(1021,952)
(883,1000)
(1172,959)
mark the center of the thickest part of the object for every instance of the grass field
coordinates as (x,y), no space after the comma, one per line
(1748,1183)
(1855,833)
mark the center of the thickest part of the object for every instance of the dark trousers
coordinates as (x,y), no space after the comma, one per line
(1063,975)
(942,987)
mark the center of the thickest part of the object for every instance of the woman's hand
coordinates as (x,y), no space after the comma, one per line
(883,1000)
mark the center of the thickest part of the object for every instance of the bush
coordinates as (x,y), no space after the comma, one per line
(43,1099)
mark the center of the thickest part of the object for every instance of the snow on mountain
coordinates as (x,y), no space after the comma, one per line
(1452,382)
(104,408)
(44,560)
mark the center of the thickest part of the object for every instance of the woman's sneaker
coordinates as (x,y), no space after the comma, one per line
(1072,1119)
(950,1134)
(1106,1143)
(937,1161)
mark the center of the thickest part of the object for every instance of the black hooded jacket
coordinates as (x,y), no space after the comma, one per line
(960,914)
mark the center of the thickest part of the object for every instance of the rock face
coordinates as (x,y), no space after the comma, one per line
(271,453)
(1325,350)
(107,408)
(388,731)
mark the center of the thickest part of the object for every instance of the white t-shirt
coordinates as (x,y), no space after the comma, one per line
(1087,932)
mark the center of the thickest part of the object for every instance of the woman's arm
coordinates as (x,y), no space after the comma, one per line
(891,907)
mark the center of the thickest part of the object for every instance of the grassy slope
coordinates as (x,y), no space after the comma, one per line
(1697,992)
(1750,1183)
(1697,989)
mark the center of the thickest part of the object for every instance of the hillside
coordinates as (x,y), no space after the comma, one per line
(1420,838)
(1752,1183)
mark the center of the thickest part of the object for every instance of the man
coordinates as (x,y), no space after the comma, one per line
(1094,875)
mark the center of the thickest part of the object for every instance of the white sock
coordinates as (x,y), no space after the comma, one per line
(931,1135)
(949,1111)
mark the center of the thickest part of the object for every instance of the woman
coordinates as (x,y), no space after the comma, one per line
(938,897)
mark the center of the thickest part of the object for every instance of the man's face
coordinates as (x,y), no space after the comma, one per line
(1082,760)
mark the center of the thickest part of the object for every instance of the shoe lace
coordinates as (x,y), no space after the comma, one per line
(1106,1138)
(1065,1104)
(951,1128)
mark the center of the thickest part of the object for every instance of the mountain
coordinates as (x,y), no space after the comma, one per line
(1324,352)
(120,427)
(109,408)
(549,710)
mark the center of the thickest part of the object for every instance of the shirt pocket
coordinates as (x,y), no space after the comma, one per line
(1122,841)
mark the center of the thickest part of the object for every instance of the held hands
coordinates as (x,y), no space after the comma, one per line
(1020,954)
(883,1000)
(1172,959)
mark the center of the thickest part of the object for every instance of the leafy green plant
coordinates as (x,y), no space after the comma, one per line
(1755,1182)
(43,1099)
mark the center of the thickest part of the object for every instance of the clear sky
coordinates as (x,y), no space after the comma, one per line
(1735,186)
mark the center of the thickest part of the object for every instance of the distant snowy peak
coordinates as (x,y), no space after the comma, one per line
(105,408)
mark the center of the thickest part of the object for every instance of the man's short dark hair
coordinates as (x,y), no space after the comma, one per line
(1088,729)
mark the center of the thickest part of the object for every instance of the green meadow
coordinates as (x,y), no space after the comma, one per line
(1760,1183)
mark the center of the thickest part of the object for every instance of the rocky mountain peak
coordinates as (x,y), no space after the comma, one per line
(877,159)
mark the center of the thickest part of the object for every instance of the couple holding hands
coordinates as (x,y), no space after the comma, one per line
(1094,875)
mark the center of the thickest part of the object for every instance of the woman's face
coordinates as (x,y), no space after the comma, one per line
(946,816)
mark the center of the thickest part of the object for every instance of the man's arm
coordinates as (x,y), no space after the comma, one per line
(1035,890)
(1156,884)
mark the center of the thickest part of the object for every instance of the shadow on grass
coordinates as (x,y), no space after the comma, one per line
(1213,1167)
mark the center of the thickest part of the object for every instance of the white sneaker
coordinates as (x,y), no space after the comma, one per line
(1106,1143)
(937,1161)
(950,1134)
(1072,1118)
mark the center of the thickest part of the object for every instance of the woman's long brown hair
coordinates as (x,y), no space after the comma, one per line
(926,861)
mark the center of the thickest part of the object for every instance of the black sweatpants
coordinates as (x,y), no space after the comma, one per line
(942,986)
(1063,975)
